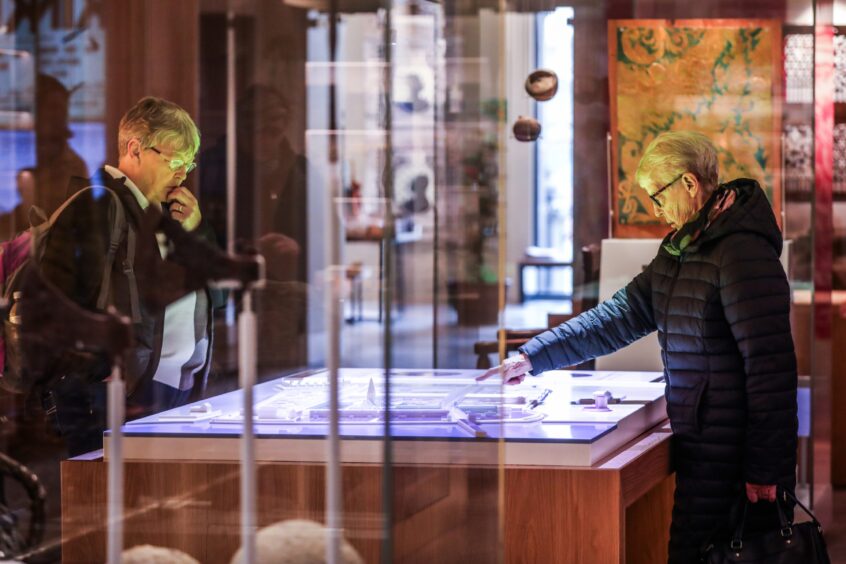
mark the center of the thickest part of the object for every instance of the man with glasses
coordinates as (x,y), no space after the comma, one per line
(157,143)
(720,301)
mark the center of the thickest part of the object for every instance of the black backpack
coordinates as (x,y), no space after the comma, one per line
(27,250)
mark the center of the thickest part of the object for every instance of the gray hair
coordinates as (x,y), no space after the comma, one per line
(675,152)
(155,121)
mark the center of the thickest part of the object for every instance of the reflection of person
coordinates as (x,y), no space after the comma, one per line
(157,143)
(17,219)
(271,215)
(271,176)
(719,298)
(418,202)
(57,162)
(416,101)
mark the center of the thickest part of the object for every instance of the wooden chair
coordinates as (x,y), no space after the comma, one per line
(588,293)
(556,319)
(514,339)
(541,259)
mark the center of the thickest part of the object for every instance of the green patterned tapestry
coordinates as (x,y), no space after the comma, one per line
(718,77)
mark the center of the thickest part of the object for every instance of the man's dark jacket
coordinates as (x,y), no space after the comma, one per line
(73,261)
(721,310)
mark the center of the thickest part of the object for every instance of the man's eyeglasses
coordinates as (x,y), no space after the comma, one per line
(176,164)
(654,195)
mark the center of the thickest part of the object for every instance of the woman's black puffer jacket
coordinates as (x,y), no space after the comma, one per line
(721,310)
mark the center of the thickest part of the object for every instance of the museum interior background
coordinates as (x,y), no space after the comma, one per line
(384,159)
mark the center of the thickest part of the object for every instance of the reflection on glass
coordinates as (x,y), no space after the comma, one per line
(367,157)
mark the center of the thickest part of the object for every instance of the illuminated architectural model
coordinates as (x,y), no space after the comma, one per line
(578,416)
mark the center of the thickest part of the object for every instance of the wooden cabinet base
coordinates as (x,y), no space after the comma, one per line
(613,513)
(838,389)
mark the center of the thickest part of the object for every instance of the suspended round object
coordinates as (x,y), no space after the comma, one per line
(542,84)
(526,129)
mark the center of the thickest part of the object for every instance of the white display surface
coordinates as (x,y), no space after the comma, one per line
(438,416)
(622,260)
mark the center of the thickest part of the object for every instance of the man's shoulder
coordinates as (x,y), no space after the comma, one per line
(100,179)
(99,186)
(92,200)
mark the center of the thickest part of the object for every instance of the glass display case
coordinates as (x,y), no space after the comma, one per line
(389,198)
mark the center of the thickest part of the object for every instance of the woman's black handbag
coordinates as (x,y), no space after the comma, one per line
(791,543)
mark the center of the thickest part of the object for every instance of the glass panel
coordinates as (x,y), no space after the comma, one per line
(52,115)
(798,159)
(390,197)
(322,145)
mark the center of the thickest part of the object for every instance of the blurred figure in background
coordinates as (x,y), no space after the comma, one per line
(271,216)
(57,161)
(17,219)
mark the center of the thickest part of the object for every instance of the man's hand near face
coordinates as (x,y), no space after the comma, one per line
(184,207)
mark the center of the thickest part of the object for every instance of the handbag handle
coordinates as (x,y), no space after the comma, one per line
(786,526)
(789,495)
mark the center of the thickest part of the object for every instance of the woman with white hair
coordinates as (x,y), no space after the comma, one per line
(720,301)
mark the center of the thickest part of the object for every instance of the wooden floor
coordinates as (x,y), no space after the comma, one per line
(835,534)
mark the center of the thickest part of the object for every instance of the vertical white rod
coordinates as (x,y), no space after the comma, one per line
(115,406)
(783,186)
(247,347)
(231,152)
(609,166)
(231,140)
(387,276)
(334,501)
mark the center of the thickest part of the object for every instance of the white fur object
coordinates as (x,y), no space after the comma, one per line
(296,541)
(149,554)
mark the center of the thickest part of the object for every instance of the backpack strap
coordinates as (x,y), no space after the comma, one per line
(129,270)
(36,216)
(119,225)
(55,215)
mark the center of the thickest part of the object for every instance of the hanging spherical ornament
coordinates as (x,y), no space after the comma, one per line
(542,84)
(526,129)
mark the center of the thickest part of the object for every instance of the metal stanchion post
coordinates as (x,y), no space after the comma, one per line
(116,406)
(247,349)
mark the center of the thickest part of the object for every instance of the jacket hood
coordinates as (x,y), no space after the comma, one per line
(750,213)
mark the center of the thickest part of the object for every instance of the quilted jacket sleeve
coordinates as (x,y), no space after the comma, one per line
(609,326)
(756,301)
